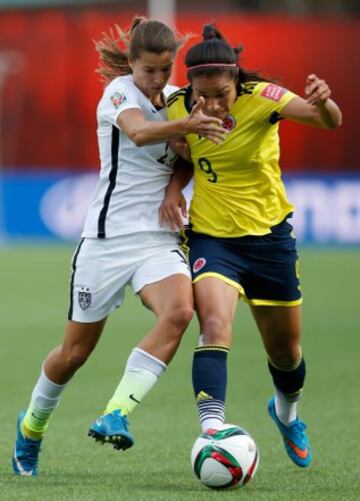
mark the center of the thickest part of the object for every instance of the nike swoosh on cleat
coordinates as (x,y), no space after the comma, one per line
(302,453)
(133,398)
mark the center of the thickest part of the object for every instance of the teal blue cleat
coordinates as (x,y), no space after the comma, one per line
(26,455)
(295,440)
(112,429)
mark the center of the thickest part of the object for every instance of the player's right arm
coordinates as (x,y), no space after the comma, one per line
(173,208)
(142,131)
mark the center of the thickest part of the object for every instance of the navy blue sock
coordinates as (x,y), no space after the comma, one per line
(209,375)
(289,381)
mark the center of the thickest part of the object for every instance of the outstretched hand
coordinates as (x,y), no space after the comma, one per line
(317,91)
(203,125)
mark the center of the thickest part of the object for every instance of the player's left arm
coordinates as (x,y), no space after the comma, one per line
(317,109)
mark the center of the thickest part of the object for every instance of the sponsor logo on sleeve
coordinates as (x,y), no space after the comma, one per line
(118,98)
(273,92)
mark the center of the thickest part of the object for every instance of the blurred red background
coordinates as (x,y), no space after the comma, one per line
(49,97)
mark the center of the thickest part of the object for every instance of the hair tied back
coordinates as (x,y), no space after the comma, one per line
(137,21)
(210,32)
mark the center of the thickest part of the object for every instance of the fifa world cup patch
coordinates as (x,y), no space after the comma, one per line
(273,92)
(199,263)
(118,98)
(84,298)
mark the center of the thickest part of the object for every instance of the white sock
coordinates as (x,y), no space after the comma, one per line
(141,373)
(213,423)
(285,408)
(44,399)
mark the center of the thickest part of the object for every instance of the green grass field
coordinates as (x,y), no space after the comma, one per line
(33,305)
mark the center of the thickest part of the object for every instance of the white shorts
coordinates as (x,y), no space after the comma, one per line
(101,269)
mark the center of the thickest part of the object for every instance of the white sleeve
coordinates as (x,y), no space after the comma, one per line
(116,99)
(170,89)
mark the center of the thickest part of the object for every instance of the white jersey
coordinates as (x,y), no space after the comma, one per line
(132,179)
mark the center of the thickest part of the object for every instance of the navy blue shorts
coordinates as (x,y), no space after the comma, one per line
(264,269)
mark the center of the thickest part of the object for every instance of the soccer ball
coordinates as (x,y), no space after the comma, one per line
(225,458)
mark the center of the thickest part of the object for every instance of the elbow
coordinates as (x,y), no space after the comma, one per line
(138,139)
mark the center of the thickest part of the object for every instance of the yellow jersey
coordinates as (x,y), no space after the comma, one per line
(237,185)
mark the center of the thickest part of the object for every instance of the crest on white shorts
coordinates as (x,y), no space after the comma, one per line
(199,263)
(84,299)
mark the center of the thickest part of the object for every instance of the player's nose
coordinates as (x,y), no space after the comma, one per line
(212,105)
(159,78)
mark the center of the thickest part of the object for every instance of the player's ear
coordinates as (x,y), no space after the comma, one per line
(237,78)
(131,63)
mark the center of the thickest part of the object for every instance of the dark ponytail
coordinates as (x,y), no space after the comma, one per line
(217,53)
(210,32)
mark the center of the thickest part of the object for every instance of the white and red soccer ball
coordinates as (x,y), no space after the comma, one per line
(225,458)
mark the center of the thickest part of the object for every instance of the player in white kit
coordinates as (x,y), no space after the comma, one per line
(122,242)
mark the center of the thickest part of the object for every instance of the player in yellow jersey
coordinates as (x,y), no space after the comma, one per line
(240,239)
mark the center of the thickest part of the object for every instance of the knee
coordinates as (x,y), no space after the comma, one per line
(180,317)
(75,356)
(216,330)
(285,356)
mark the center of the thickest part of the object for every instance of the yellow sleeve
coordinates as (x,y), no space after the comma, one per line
(170,112)
(271,98)
(175,105)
